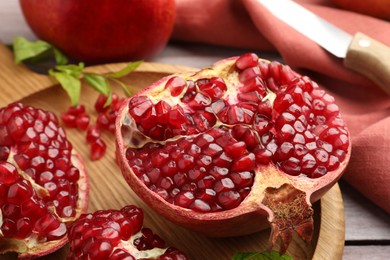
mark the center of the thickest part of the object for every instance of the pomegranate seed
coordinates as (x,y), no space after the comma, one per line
(76,110)
(176,86)
(100,102)
(247,60)
(69,120)
(93,134)
(229,199)
(82,121)
(184,199)
(98,149)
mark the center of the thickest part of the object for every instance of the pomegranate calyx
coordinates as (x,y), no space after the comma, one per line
(291,211)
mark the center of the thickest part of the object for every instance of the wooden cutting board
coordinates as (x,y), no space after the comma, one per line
(108,188)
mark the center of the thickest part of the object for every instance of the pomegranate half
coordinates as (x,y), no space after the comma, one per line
(230,149)
(43,182)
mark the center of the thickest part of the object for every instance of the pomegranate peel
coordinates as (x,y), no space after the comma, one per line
(234,148)
(43,182)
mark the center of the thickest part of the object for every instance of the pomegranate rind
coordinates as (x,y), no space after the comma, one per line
(251,215)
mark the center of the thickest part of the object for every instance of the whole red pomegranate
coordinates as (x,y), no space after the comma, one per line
(231,148)
(102,30)
(117,234)
(43,182)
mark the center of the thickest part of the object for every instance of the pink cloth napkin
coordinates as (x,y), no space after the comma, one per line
(247,24)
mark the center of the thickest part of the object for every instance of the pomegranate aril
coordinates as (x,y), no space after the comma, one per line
(319,172)
(175,85)
(248,74)
(82,121)
(291,166)
(263,156)
(184,198)
(69,120)
(8,228)
(23,228)
(93,133)
(19,192)
(97,149)
(76,110)
(224,184)
(247,60)
(4,152)
(207,195)
(242,179)
(214,88)
(8,173)
(321,156)
(229,199)
(200,205)
(244,163)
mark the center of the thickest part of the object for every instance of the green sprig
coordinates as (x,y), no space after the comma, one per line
(69,75)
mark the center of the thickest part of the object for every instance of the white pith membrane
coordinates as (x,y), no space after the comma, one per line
(139,254)
(32,246)
(276,197)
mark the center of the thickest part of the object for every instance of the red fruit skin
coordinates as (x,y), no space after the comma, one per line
(251,215)
(97,31)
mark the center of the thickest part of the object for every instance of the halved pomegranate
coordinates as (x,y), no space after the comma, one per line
(117,234)
(229,149)
(43,182)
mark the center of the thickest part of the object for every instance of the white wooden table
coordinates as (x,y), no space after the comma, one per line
(367,226)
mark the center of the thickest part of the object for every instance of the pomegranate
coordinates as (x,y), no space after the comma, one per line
(101,31)
(233,148)
(117,234)
(43,182)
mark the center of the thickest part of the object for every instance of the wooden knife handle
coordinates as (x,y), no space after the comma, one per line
(370,58)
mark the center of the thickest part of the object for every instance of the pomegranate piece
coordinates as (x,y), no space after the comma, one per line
(117,234)
(43,183)
(232,148)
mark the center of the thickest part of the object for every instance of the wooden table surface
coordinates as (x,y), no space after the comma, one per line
(367,226)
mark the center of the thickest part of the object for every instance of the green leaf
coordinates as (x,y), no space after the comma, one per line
(71,84)
(126,70)
(124,87)
(71,69)
(60,58)
(109,97)
(99,83)
(273,255)
(24,49)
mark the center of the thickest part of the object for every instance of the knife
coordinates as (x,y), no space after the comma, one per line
(361,53)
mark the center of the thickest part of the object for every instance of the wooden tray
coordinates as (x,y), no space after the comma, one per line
(109,189)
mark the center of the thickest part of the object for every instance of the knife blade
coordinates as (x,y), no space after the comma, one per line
(359,52)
